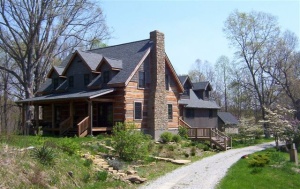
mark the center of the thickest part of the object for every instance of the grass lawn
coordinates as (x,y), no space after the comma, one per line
(277,174)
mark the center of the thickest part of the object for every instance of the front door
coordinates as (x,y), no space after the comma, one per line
(105,114)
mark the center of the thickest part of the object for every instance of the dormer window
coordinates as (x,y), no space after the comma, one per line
(186,92)
(55,83)
(206,94)
(167,82)
(105,76)
(141,79)
(86,79)
(71,81)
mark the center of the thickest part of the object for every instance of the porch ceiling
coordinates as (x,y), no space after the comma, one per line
(69,95)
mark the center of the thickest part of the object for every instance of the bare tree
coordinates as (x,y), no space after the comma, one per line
(251,34)
(34,32)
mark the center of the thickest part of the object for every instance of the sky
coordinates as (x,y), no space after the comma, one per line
(194,28)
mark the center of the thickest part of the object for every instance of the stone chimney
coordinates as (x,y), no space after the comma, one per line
(157,105)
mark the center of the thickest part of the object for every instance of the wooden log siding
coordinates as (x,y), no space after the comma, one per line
(134,94)
(172,98)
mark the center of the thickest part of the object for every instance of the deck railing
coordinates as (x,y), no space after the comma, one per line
(65,125)
(83,126)
(184,124)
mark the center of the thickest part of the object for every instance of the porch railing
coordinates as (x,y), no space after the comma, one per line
(83,127)
(183,123)
(65,125)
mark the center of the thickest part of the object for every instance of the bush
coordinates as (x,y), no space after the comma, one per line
(171,147)
(129,143)
(176,138)
(259,160)
(101,175)
(166,137)
(202,146)
(88,162)
(45,155)
(183,132)
(193,151)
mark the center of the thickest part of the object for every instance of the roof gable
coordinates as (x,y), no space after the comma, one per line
(195,102)
(169,65)
(115,64)
(203,85)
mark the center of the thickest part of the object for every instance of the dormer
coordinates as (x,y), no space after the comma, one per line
(202,90)
(187,85)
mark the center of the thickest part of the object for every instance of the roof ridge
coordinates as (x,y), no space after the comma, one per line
(117,45)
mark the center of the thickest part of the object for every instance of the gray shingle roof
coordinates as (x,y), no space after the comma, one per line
(195,102)
(68,95)
(92,59)
(182,79)
(114,63)
(130,54)
(96,82)
(228,118)
(201,85)
(46,86)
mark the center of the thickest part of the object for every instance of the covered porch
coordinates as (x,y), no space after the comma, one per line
(72,116)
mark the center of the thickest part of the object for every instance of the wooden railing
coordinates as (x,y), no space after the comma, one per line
(65,125)
(211,134)
(83,127)
(184,124)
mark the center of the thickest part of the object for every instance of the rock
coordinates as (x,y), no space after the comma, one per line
(131,172)
(136,179)
(70,173)
(181,162)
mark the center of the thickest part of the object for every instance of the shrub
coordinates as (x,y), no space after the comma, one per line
(166,137)
(183,132)
(176,138)
(101,175)
(88,162)
(86,177)
(45,155)
(186,155)
(116,164)
(129,143)
(202,146)
(259,160)
(171,147)
(193,151)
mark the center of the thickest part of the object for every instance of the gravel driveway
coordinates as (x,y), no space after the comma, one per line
(205,173)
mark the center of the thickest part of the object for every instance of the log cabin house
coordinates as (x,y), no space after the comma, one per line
(133,82)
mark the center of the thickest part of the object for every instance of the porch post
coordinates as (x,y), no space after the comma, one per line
(36,117)
(90,113)
(23,118)
(53,116)
(71,112)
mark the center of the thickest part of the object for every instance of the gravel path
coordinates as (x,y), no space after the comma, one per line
(205,173)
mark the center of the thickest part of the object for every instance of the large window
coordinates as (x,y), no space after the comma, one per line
(71,81)
(86,78)
(55,83)
(170,111)
(105,76)
(141,79)
(137,110)
(190,113)
(167,82)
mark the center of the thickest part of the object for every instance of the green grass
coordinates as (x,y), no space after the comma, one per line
(244,142)
(276,175)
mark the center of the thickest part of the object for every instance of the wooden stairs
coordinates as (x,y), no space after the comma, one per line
(213,135)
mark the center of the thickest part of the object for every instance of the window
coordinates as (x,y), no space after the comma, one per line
(105,76)
(167,82)
(170,111)
(141,79)
(186,91)
(55,83)
(137,110)
(71,81)
(190,113)
(210,113)
(86,79)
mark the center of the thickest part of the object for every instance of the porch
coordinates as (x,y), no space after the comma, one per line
(213,135)
(73,118)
